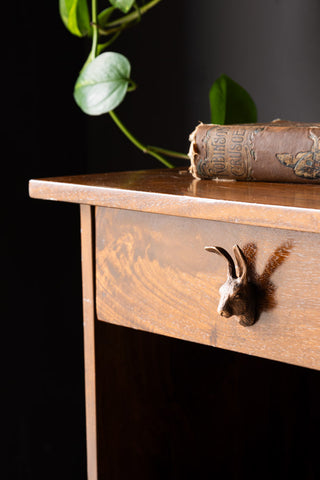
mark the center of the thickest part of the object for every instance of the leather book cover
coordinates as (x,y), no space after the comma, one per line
(279,151)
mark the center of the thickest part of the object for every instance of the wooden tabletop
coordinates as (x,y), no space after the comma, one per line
(176,192)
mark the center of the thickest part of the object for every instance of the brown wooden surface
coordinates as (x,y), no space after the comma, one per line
(175,192)
(153,274)
(87,250)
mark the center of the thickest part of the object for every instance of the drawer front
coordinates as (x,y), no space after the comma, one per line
(153,274)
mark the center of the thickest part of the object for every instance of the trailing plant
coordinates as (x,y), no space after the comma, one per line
(105,77)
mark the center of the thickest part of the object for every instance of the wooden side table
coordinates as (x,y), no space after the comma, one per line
(145,267)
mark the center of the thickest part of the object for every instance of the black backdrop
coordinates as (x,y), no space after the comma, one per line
(192,409)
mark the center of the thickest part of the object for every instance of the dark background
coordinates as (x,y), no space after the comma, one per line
(176,407)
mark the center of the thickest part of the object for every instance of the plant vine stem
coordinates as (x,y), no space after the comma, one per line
(136,142)
(169,153)
(95,32)
(110,31)
(153,151)
(102,46)
(134,15)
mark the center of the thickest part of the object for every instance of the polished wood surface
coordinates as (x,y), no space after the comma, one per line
(88,300)
(153,274)
(176,192)
(144,267)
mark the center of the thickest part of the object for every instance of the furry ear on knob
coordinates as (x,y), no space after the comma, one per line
(237,294)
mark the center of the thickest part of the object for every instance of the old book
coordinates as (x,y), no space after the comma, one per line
(279,151)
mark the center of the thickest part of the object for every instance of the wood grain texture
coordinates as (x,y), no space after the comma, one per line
(88,299)
(176,192)
(153,274)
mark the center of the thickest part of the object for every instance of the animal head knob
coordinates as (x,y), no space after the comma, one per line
(237,295)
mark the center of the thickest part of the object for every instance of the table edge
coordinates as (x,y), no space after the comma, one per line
(263,215)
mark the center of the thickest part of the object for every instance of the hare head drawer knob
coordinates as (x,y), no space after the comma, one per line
(237,294)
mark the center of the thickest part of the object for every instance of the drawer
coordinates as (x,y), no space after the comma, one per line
(153,274)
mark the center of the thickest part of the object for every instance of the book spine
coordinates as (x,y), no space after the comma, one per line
(275,152)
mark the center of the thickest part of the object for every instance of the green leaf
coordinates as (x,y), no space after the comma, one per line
(75,16)
(230,103)
(123,5)
(103,83)
(105,15)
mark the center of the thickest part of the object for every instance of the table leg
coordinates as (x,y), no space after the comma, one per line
(87,262)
